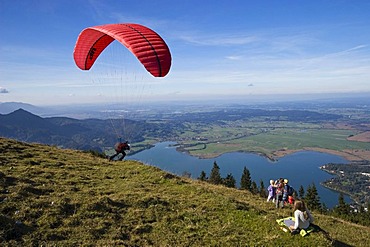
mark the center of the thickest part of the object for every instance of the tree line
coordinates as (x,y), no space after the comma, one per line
(357,214)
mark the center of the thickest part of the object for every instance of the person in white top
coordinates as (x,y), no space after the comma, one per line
(302,216)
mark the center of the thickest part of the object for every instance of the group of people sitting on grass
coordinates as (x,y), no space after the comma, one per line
(281,193)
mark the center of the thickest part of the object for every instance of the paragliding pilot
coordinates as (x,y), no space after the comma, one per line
(120,148)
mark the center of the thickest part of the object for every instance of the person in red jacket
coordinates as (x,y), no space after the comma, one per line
(120,148)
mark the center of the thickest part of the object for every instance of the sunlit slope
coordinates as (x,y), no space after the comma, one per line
(69,198)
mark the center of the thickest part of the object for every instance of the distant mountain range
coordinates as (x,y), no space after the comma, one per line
(73,111)
(99,134)
(8,107)
(89,134)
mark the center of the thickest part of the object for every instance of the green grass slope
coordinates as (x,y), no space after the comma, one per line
(54,197)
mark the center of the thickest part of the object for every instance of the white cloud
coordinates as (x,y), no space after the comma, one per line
(234,57)
(217,40)
(3,90)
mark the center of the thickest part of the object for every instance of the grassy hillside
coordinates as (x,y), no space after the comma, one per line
(60,197)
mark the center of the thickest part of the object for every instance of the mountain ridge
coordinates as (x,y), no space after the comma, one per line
(8,107)
(88,134)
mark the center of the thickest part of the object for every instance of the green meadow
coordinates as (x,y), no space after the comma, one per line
(264,138)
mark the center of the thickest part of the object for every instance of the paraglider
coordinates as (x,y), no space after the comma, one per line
(148,47)
(144,43)
(120,148)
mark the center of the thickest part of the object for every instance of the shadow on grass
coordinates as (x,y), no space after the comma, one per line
(13,230)
(334,242)
(337,243)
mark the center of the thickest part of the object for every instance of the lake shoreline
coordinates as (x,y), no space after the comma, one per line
(275,155)
(169,156)
(346,154)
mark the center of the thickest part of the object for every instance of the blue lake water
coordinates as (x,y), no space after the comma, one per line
(301,168)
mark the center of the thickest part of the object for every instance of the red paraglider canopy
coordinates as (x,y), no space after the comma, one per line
(144,43)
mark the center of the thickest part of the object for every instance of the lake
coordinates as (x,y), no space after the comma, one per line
(301,168)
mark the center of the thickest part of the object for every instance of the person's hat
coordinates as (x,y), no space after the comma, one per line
(286,181)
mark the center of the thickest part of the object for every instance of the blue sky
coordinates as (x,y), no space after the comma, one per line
(219,49)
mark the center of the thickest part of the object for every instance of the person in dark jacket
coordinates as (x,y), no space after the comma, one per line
(120,148)
(279,193)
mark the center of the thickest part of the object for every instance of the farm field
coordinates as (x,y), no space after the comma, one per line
(275,139)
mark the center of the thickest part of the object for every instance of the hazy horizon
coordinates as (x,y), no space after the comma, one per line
(232,99)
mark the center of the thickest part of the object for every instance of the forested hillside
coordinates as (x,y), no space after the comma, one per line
(352,179)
